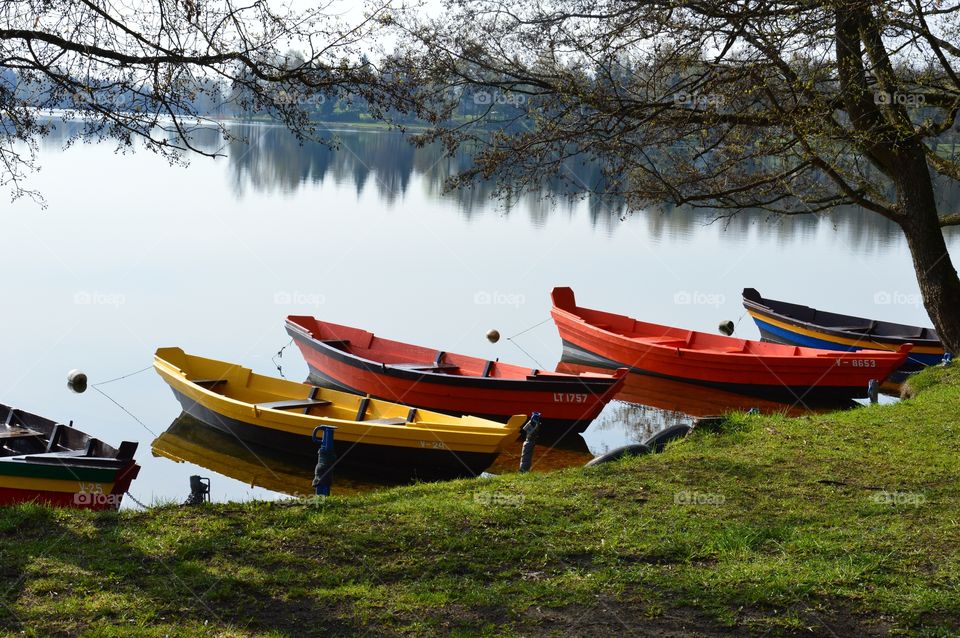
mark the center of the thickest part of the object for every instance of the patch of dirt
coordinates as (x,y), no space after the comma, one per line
(613,619)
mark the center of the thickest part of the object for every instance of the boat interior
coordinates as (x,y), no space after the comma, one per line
(243,385)
(35,438)
(369,347)
(670,337)
(843,323)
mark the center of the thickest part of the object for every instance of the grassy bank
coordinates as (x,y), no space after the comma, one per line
(843,524)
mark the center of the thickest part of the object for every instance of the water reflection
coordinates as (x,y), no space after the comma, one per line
(646,405)
(269,159)
(192,441)
(690,400)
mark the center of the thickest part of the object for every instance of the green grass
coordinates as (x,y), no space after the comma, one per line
(763,525)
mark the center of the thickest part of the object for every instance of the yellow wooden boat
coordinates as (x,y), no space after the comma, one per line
(283,415)
(189,440)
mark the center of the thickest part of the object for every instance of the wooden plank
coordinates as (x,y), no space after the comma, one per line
(73,458)
(312,396)
(15,432)
(362,408)
(208,383)
(424,367)
(292,404)
(388,421)
(54,440)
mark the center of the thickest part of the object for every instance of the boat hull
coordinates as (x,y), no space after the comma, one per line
(566,403)
(65,485)
(766,370)
(780,327)
(425,461)
(283,416)
(781,394)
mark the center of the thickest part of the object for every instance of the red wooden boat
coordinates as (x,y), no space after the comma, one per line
(770,370)
(355,360)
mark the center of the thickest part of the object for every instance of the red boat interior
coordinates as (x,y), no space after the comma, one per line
(367,346)
(669,337)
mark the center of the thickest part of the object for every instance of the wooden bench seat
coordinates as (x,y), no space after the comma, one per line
(208,383)
(339,344)
(292,404)
(672,342)
(387,421)
(425,367)
(16,432)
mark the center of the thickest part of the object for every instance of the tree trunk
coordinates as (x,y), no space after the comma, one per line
(936,274)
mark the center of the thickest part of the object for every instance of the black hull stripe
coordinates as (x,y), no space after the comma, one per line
(551,384)
(549,425)
(425,461)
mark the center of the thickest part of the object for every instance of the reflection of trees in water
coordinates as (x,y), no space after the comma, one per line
(635,422)
(389,162)
(269,158)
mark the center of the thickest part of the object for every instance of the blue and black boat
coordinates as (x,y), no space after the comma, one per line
(798,325)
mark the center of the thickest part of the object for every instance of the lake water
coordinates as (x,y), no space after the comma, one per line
(132,254)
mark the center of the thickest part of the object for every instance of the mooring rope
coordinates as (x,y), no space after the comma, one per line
(123,377)
(132,415)
(279,355)
(520,348)
(530,328)
(117,403)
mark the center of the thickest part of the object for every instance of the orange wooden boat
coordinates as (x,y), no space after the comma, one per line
(355,360)
(773,371)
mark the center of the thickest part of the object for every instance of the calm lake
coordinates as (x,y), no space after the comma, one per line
(132,254)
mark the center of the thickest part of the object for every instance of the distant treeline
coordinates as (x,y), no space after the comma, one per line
(212,98)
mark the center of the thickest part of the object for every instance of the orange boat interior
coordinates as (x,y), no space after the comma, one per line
(670,337)
(368,346)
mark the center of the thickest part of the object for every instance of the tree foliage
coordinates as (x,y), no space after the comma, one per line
(795,107)
(159,70)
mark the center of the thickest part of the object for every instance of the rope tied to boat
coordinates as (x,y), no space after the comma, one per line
(279,355)
(96,387)
(521,349)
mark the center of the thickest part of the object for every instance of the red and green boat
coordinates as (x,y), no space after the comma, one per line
(43,461)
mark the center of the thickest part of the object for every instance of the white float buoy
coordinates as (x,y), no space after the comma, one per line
(77,381)
(493,336)
(726,327)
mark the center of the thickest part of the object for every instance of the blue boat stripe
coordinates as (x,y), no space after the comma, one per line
(793,338)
